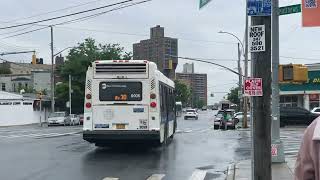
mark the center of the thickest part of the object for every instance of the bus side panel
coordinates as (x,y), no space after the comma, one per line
(167,111)
(171,111)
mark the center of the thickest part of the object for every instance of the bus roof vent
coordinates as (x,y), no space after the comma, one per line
(153,84)
(121,68)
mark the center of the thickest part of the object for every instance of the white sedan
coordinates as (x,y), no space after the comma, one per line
(75,120)
(191,113)
(316,110)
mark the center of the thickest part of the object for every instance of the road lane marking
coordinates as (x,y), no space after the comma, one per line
(110,178)
(198,175)
(40,135)
(156,177)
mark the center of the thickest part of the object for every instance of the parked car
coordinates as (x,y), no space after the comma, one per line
(75,120)
(59,118)
(232,123)
(204,108)
(81,117)
(239,116)
(316,110)
(296,115)
(218,123)
(191,113)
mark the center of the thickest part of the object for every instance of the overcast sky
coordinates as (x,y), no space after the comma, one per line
(197,31)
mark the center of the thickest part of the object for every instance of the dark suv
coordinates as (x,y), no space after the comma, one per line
(296,115)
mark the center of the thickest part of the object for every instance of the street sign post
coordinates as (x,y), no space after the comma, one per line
(290,9)
(253,87)
(259,7)
(257,38)
(202,3)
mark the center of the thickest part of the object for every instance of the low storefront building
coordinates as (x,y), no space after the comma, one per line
(306,95)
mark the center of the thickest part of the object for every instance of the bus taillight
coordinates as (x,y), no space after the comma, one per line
(88,96)
(88,105)
(153,96)
(153,104)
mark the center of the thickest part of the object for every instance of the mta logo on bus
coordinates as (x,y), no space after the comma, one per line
(259,7)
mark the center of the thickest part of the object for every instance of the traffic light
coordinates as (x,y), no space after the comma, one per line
(293,73)
(170,64)
(34,59)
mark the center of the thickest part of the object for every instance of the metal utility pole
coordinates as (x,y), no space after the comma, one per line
(70,93)
(276,142)
(52,72)
(245,99)
(240,74)
(261,105)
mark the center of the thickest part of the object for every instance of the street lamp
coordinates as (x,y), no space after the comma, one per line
(62,50)
(244,99)
(224,32)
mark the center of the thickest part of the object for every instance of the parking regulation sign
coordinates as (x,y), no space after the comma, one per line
(253,87)
(259,7)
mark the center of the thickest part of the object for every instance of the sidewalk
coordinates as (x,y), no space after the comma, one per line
(242,170)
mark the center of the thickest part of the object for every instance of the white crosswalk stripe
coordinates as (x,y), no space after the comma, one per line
(198,175)
(43,135)
(156,177)
(291,138)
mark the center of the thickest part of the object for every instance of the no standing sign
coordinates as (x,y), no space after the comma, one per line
(253,87)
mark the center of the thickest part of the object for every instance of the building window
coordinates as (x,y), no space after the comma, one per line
(3,86)
(289,101)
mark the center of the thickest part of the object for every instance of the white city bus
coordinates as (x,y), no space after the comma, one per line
(178,109)
(128,101)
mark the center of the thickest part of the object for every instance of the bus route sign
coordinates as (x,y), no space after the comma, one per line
(253,87)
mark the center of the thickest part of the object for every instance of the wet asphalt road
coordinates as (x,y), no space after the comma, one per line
(34,153)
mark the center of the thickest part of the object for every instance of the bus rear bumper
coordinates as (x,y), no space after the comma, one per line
(106,136)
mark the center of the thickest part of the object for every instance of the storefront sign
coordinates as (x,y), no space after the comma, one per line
(314,97)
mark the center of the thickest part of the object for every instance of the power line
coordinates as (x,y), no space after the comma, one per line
(141,35)
(78,19)
(27,32)
(300,58)
(50,12)
(67,15)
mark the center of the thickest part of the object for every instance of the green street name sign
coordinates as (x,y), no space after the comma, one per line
(202,3)
(290,9)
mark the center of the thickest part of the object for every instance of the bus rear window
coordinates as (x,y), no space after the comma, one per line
(120,91)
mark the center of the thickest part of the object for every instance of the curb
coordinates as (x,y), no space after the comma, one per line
(231,172)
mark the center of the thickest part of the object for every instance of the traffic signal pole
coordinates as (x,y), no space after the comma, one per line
(277,145)
(262,105)
(52,71)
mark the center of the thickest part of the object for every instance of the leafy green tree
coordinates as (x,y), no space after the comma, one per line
(78,60)
(183,92)
(233,96)
(4,68)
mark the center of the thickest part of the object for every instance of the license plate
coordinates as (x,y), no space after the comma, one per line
(120,126)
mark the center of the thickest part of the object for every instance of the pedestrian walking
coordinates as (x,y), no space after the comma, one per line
(308,160)
(225,119)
